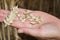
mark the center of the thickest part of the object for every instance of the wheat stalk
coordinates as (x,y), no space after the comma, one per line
(9,19)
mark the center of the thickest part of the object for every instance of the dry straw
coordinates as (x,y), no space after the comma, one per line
(8,33)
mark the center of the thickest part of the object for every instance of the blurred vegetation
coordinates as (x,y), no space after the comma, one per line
(50,6)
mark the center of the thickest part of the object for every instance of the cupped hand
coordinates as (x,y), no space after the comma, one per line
(49,27)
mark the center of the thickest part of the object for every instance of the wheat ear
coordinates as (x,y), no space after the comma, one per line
(12,15)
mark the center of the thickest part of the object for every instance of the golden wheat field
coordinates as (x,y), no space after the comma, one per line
(10,33)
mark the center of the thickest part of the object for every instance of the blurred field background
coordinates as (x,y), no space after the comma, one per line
(9,33)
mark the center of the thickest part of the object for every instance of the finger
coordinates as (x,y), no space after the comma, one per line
(32,32)
(18,24)
(45,31)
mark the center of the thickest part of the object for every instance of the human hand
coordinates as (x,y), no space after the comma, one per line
(49,27)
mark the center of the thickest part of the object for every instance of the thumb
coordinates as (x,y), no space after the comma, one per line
(30,31)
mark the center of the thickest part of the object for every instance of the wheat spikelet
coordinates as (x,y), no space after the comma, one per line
(35,20)
(9,19)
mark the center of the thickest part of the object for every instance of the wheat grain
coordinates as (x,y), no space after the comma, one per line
(23,17)
(28,16)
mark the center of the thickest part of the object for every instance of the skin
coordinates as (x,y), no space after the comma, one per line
(49,27)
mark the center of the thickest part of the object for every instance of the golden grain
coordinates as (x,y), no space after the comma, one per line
(27,15)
